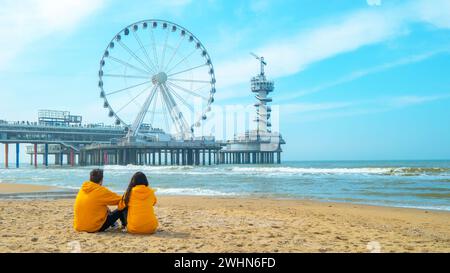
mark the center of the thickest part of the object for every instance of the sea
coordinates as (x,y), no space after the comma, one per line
(412,184)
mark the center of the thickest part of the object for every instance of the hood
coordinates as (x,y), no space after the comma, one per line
(89,186)
(141,192)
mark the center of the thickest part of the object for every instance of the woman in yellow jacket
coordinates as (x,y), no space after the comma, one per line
(139,200)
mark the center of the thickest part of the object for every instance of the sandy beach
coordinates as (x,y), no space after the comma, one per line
(6,188)
(205,224)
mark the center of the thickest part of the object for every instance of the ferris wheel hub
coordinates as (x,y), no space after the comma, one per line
(159,78)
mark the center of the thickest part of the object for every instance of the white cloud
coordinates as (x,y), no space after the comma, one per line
(307,112)
(24,22)
(170,6)
(296,108)
(435,12)
(411,100)
(365,72)
(374,2)
(345,34)
(259,5)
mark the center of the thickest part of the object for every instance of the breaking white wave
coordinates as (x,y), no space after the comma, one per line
(337,171)
(292,170)
(258,170)
(192,191)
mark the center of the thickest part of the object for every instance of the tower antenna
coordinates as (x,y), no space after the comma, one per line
(261,59)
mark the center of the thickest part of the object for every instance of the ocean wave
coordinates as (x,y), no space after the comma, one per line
(419,170)
(274,171)
(294,170)
(149,167)
(401,171)
(192,191)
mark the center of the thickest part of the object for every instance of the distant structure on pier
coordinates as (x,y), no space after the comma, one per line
(58,118)
(257,146)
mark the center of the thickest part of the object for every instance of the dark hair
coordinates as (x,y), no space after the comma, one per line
(138,178)
(96,175)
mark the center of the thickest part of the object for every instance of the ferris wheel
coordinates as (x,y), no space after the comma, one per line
(158,73)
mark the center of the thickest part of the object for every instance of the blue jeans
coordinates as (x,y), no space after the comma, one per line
(112,218)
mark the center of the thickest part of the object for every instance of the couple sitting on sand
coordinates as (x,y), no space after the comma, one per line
(134,208)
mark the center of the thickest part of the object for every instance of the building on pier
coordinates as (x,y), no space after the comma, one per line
(58,118)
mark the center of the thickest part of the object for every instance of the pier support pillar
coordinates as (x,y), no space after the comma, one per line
(72,158)
(105,157)
(57,159)
(6,155)
(197,157)
(17,155)
(189,155)
(35,155)
(46,154)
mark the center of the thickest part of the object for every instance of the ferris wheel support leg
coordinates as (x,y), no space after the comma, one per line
(140,118)
(175,113)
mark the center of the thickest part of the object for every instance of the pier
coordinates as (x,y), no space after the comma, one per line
(94,145)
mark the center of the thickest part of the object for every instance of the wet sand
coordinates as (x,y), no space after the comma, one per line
(207,224)
(6,188)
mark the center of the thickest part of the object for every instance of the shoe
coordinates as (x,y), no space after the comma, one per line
(113,227)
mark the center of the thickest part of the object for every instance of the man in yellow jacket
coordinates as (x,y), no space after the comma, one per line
(91,205)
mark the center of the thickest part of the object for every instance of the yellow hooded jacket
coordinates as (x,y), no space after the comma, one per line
(91,206)
(141,218)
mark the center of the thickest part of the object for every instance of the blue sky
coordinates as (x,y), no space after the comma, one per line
(360,79)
